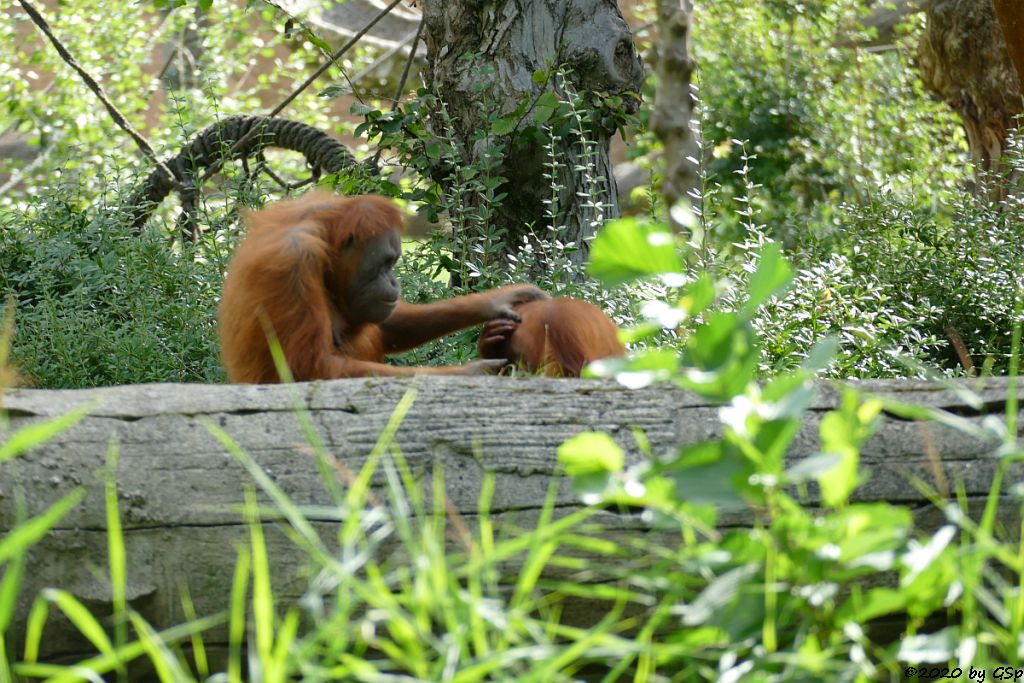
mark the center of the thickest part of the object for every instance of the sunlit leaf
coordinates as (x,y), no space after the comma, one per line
(627,250)
(591,452)
(931,648)
(772,275)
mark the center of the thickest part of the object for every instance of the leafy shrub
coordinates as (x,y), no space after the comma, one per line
(98,304)
(896,280)
(794,598)
(827,123)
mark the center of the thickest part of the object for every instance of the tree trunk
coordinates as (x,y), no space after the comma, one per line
(1011,17)
(481,61)
(673,105)
(963,58)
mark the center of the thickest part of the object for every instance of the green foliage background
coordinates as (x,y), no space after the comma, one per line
(807,137)
(838,234)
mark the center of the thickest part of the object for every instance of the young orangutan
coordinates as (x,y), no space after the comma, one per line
(556,337)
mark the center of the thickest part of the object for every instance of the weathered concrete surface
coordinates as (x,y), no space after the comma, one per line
(180,490)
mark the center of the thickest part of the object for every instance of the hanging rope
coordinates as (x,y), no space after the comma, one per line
(236,137)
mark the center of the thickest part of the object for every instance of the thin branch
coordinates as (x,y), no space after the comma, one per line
(115,114)
(408,66)
(19,173)
(395,49)
(305,84)
(405,76)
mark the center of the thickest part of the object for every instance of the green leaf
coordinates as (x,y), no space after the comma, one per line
(839,482)
(698,295)
(539,77)
(710,472)
(772,275)
(166,666)
(812,467)
(319,42)
(843,431)
(650,367)
(542,114)
(821,355)
(875,603)
(360,109)
(718,594)
(548,100)
(21,537)
(82,619)
(869,530)
(920,557)
(39,433)
(504,126)
(9,591)
(931,648)
(721,356)
(589,453)
(433,150)
(332,91)
(627,250)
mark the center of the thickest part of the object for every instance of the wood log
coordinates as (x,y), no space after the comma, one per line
(180,492)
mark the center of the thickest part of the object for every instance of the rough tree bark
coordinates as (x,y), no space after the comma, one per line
(483,52)
(963,58)
(673,105)
(1011,17)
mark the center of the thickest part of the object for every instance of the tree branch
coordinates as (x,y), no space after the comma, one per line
(93,85)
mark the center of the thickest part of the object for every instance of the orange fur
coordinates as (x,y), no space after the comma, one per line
(278,280)
(293,277)
(556,337)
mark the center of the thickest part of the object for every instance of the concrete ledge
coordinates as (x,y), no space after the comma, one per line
(180,491)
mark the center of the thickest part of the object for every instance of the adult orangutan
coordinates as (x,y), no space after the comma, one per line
(556,337)
(314,273)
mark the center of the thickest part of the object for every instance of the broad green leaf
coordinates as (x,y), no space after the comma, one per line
(543,114)
(812,467)
(360,109)
(718,594)
(698,295)
(710,472)
(545,107)
(838,483)
(627,250)
(772,275)
(869,529)
(821,354)
(650,367)
(874,603)
(548,99)
(504,126)
(720,358)
(843,432)
(591,452)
